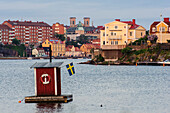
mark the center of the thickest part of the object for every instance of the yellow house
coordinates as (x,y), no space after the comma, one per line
(57,46)
(162,30)
(121,32)
(85,48)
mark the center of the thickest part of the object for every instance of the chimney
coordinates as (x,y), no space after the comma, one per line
(117,20)
(166,19)
(134,21)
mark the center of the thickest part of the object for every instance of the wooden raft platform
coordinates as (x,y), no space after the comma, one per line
(48,99)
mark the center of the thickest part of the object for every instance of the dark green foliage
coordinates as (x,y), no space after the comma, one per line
(126,50)
(20,49)
(15,41)
(99,58)
(60,36)
(168,41)
(140,51)
(92,50)
(83,39)
(72,43)
(140,41)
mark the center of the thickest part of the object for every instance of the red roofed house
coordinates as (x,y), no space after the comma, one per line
(117,34)
(161,29)
(29,32)
(73,51)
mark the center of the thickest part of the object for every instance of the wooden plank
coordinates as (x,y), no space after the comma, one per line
(57,99)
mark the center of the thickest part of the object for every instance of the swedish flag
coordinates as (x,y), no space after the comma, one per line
(70,68)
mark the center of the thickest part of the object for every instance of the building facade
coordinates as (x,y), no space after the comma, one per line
(5,34)
(29,32)
(121,32)
(161,29)
(57,46)
(86,49)
(57,28)
(38,52)
(72,51)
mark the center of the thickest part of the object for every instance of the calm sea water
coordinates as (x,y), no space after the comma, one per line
(119,89)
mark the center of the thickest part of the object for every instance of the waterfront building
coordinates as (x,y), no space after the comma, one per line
(29,32)
(116,35)
(86,49)
(73,51)
(121,32)
(38,52)
(57,46)
(161,29)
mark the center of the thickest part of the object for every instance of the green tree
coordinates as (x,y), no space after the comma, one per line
(15,41)
(83,39)
(60,36)
(127,50)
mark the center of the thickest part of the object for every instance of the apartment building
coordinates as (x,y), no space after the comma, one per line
(121,32)
(29,32)
(57,28)
(5,34)
(161,29)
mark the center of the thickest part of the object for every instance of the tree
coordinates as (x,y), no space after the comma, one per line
(15,41)
(60,36)
(83,39)
(126,50)
(152,38)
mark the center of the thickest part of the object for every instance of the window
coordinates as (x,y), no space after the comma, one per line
(103,42)
(103,33)
(124,34)
(107,35)
(73,22)
(112,42)
(131,33)
(116,27)
(87,23)
(114,34)
(162,29)
(141,34)
(116,42)
(153,29)
(111,33)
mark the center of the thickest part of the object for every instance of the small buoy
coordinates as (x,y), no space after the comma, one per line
(101,105)
(163,65)
(136,64)
(19,101)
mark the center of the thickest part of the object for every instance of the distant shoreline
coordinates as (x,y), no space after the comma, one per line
(129,64)
(30,58)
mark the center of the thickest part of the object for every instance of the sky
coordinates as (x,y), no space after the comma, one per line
(100,11)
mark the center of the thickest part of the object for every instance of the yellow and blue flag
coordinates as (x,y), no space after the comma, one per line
(70,68)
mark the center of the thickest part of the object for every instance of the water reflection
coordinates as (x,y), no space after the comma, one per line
(49,107)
